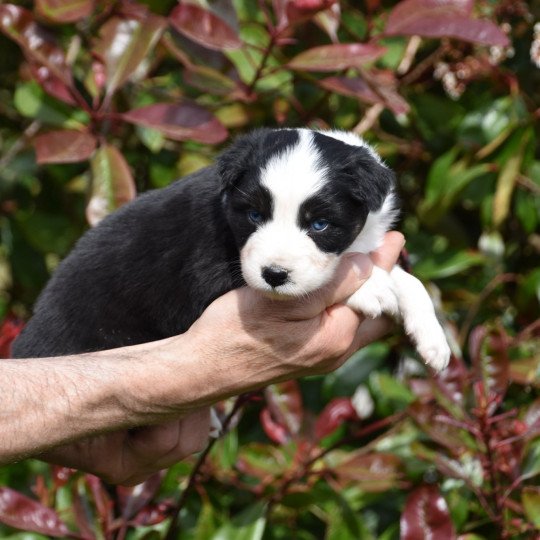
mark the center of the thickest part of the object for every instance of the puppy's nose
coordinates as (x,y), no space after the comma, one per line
(274,275)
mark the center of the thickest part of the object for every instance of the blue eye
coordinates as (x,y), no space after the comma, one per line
(254,216)
(319,225)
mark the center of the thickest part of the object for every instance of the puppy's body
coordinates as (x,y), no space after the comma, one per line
(277,212)
(143,274)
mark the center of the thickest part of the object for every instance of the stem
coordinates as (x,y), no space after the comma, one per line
(306,466)
(498,506)
(174,528)
(262,65)
(473,310)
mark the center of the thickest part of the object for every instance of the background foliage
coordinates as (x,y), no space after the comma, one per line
(103,99)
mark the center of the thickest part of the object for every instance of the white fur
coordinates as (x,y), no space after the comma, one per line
(403,296)
(291,178)
(353,139)
(377,224)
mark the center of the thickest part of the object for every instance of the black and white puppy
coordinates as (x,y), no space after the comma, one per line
(282,205)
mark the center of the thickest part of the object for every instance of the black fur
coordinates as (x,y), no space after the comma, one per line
(150,269)
(146,272)
(370,181)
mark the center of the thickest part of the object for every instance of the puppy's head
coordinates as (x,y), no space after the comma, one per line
(297,199)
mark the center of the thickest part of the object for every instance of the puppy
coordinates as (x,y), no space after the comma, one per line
(281,205)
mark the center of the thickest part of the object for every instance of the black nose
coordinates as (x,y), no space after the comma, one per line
(274,275)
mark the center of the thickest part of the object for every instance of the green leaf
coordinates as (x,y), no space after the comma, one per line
(389,394)
(32,102)
(225,450)
(446,180)
(507,179)
(531,462)
(440,170)
(443,265)
(112,183)
(206,524)
(48,233)
(124,44)
(153,139)
(527,209)
(530,498)
(64,11)
(248,525)
(486,123)
(346,379)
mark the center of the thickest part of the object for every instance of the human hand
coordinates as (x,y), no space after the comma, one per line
(275,340)
(243,341)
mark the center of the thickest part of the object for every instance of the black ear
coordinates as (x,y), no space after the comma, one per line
(372,180)
(251,152)
(238,158)
(368,180)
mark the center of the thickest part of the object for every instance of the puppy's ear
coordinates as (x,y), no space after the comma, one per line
(368,180)
(234,162)
(372,180)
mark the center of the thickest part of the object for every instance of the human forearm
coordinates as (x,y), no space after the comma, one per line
(52,401)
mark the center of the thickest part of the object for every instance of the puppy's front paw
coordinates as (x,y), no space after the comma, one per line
(373,301)
(432,345)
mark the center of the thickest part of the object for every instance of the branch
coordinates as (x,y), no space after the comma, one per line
(174,528)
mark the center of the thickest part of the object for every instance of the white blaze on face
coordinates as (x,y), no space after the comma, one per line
(291,177)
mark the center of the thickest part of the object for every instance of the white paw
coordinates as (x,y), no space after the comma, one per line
(432,345)
(375,297)
(363,301)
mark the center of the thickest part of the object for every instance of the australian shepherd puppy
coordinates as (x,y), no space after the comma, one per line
(276,212)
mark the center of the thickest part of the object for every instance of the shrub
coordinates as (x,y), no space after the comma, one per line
(101,100)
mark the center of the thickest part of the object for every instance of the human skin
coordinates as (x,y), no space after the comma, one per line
(126,413)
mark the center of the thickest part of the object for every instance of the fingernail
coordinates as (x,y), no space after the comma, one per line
(361,264)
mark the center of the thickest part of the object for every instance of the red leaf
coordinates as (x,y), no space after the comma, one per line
(336,57)
(151,515)
(184,121)
(351,86)
(429,417)
(112,183)
(21,512)
(302,10)
(124,43)
(443,18)
(210,80)
(51,84)
(136,498)
(378,90)
(64,146)
(426,516)
(204,27)
(104,504)
(64,11)
(9,330)
(81,510)
(372,473)
(284,401)
(489,354)
(338,411)
(61,475)
(38,44)
(454,380)
(532,417)
(276,432)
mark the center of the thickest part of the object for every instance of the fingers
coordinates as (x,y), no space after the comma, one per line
(388,254)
